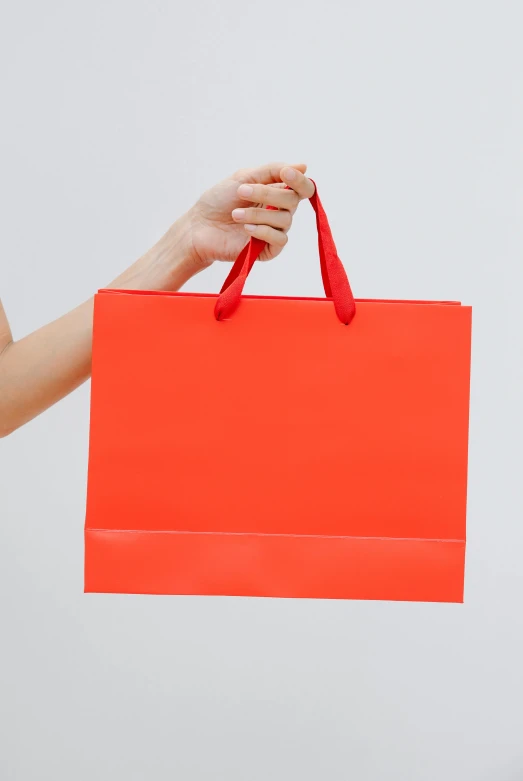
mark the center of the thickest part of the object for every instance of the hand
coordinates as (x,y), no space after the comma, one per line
(221,223)
(48,364)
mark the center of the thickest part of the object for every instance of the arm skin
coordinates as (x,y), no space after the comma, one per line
(42,368)
(49,363)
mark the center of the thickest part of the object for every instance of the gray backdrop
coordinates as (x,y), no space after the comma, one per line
(115,116)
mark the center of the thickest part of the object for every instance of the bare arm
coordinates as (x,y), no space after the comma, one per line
(45,366)
(42,368)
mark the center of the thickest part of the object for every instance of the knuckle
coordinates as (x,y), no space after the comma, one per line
(298,181)
(258,215)
(264,193)
(309,189)
(286,220)
(241,175)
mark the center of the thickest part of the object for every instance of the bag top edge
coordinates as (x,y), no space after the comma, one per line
(185,294)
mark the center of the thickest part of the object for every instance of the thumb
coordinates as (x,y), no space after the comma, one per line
(270,173)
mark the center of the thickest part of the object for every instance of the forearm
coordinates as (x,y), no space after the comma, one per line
(45,366)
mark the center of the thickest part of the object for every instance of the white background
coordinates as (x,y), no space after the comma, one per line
(115,116)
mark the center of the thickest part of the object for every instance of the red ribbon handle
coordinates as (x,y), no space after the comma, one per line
(333,274)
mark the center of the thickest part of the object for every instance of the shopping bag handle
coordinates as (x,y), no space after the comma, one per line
(335,282)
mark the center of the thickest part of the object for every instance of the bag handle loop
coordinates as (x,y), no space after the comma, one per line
(335,282)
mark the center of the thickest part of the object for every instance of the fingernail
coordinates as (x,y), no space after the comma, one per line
(250,228)
(245,189)
(289,173)
(238,214)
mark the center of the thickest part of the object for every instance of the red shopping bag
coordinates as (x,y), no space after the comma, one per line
(276,446)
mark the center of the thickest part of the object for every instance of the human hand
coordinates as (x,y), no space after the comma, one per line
(48,364)
(225,217)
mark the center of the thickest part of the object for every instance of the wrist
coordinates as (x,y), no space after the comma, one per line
(168,265)
(180,237)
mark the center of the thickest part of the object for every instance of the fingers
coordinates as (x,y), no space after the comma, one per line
(301,185)
(274,237)
(276,219)
(267,187)
(266,174)
(273,193)
(269,196)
